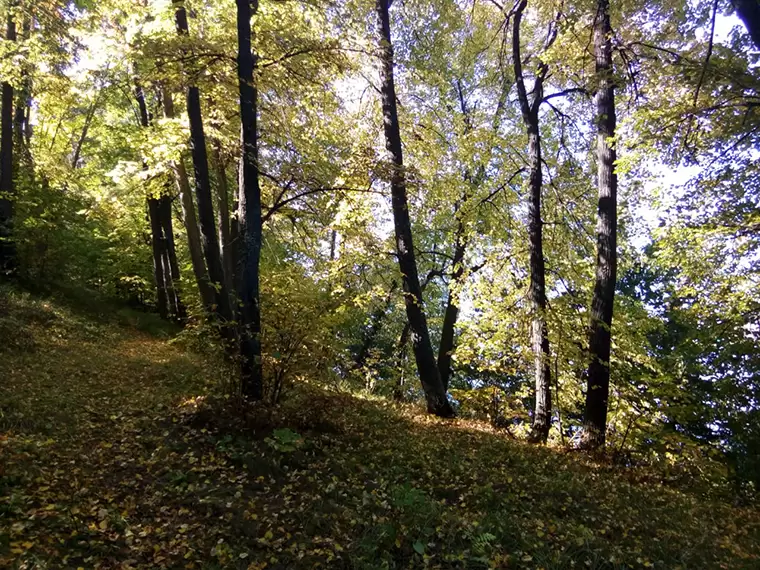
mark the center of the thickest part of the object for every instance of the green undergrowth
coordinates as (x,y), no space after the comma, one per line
(115,452)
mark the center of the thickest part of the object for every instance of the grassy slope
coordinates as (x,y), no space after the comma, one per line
(109,460)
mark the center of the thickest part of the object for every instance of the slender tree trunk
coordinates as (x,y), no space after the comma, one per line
(249,210)
(85,128)
(7,244)
(209,241)
(600,337)
(398,390)
(190,220)
(161,271)
(333,244)
(165,208)
(23,102)
(223,215)
(437,402)
(451,313)
(539,331)
(159,253)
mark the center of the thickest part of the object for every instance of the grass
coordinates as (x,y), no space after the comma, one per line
(114,453)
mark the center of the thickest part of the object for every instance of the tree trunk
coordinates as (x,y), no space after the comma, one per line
(190,221)
(161,271)
(398,389)
(749,13)
(21,126)
(7,244)
(159,257)
(165,210)
(600,338)
(437,401)
(249,211)
(451,314)
(209,242)
(539,330)
(223,215)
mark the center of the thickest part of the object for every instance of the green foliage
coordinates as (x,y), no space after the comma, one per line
(683,407)
(167,475)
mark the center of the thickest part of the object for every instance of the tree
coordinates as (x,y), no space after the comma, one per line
(539,330)
(749,12)
(208,233)
(427,368)
(188,215)
(600,332)
(165,266)
(7,246)
(249,211)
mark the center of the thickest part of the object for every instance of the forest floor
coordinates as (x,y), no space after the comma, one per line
(111,457)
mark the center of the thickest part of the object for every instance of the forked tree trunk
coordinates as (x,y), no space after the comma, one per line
(539,335)
(190,221)
(161,271)
(7,197)
(437,401)
(600,336)
(209,241)
(249,211)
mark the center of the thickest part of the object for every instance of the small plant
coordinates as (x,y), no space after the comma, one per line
(285,440)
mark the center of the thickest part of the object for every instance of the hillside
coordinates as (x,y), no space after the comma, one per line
(112,456)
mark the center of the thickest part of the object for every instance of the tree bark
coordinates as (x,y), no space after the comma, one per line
(398,389)
(161,270)
(539,331)
(21,115)
(191,222)
(749,13)
(249,211)
(600,338)
(159,258)
(223,215)
(7,244)
(451,313)
(437,401)
(165,211)
(209,242)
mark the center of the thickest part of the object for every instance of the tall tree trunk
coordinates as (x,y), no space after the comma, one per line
(165,209)
(209,241)
(7,244)
(159,258)
(539,330)
(437,402)
(600,337)
(249,211)
(161,271)
(190,221)
(223,215)
(21,124)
